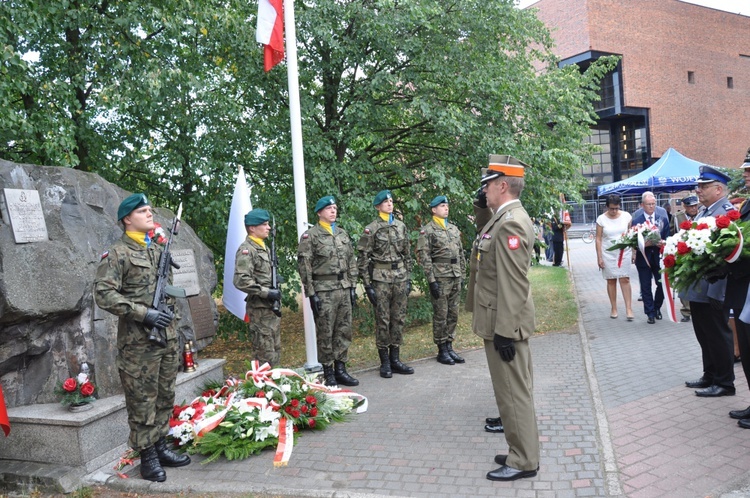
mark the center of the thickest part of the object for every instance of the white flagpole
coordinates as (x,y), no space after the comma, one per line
(300,196)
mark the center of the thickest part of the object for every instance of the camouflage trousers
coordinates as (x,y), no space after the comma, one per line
(390,313)
(265,334)
(333,326)
(148,374)
(445,310)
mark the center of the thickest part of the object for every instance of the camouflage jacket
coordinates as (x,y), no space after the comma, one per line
(252,273)
(326,261)
(440,252)
(384,252)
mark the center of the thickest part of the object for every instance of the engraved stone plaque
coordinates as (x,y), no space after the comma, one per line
(203,317)
(187,276)
(26,215)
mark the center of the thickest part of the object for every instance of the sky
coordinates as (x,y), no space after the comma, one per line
(735,6)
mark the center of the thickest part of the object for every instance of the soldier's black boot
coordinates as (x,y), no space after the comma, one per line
(329,378)
(342,376)
(385,363)
(167,457)
(150,467)
(443,356)
(396,364)
(453,354)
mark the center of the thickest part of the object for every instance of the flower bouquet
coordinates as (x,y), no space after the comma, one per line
(703,248)
(244,417)
(649,233)
(158,235)
(76,391)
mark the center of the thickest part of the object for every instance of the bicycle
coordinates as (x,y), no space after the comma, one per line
(588,236)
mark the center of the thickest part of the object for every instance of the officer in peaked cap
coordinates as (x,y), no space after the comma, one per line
(709,174)
(328,272)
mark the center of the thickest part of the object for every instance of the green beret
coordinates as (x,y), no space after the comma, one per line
(382,195)
(130,203)
(438,200)
(256,217)
(325,202)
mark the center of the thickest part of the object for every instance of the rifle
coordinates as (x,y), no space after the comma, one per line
(163,289)
(276,303)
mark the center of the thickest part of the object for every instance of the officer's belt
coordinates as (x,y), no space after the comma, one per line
(452,261)
(333,276)
(388,266)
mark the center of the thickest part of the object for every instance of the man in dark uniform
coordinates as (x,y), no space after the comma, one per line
(125,285)
(710,316)
(384,263)
(328,272)
(252,274)
(504,314)
(441,255)
(690,205)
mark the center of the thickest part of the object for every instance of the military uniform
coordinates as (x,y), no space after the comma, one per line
(441,254)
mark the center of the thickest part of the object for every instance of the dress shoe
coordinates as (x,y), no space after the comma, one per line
(737,359)
(493,421)
(651,320)
(658,315)
(506,473)
(501,459)
(495,429)
(740,414)
(715,391)
(744,423)
(685,319)
(698,384)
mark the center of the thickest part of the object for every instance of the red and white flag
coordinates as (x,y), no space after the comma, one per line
(4,422)
(270,31)
(233,298)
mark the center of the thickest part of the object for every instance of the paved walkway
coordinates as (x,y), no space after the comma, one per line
(615,420)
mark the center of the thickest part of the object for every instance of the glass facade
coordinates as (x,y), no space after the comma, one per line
(600,171)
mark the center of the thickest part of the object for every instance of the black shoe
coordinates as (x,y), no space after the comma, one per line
(658,315)
(329,378)
(737,359)
(493,421)
(640,298)
(167,457)
(396,365)
(453,354)
(501,459)
(495,429)
(342,376)
(385,363)
(715,391)
(151,469)
(506,473)
(698,384)
(443,356)
(685,319)
(651,320)
(744,423)
(740,414)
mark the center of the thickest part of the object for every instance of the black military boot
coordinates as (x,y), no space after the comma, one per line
(329,378)
(443,356)
(150,467)
(342,376)
(396,364)
(167,457)
(385,363)
(453,354)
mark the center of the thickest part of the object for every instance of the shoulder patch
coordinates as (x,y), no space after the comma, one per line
(421,232)
(513,242)
(305,235)
(367,231)
(104,255)
(245,251)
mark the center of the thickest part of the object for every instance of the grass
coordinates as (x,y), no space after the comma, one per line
(555,312)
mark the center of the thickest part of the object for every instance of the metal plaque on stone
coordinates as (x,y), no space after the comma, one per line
(203,317)
(187,275)
(26,215)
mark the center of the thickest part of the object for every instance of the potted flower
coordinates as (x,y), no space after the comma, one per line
(77,393)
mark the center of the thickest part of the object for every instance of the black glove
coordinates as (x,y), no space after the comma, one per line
(274,295)
(158,319)
(315,305)
(371,295)
(353,296)
(716,305)
(481,199)
(408,288)
(717,274)
(505,347)
(435,289)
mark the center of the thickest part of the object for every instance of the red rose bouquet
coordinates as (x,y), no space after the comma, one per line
(76,390)
(648,232)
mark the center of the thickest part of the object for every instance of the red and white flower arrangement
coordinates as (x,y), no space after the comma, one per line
(77,390)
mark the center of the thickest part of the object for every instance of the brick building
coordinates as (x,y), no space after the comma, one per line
(683,80)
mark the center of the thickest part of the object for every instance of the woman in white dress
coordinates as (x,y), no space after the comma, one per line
(614,265)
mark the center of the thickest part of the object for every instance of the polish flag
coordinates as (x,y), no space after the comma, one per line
(4,422)
(270,31)
(233,298)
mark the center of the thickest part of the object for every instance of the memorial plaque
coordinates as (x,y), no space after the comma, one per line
(203,317)
(187,276)
(26,215)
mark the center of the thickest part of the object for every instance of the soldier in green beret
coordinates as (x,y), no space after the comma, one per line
(328,271)
(125,284)
(441,255)
(252,274)
(384,263)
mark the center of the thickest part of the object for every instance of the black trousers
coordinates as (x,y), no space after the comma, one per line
(717,343)
(559,248)
(743,341)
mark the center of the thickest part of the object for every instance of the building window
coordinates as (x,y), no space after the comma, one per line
(600,171)
(691,77)
(631,144)
(606,92)
(730,82)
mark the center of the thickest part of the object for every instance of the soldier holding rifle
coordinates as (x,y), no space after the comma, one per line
(126,282)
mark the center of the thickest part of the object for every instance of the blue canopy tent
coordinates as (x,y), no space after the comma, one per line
(672,173)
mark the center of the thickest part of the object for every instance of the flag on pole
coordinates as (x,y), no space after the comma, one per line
(4,422)
(233,298)
(270,31)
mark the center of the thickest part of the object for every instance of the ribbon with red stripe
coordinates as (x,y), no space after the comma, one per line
(668,297)
(286,443)
(735,254)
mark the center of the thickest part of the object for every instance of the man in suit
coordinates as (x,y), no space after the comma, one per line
(504,314)
(710,316)
(690,205)
(647,261)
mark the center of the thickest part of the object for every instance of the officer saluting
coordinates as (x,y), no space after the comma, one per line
(441,255)
(328,271)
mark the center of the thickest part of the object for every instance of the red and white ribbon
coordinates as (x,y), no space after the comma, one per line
(286,442)
(668,297)
(737,251)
